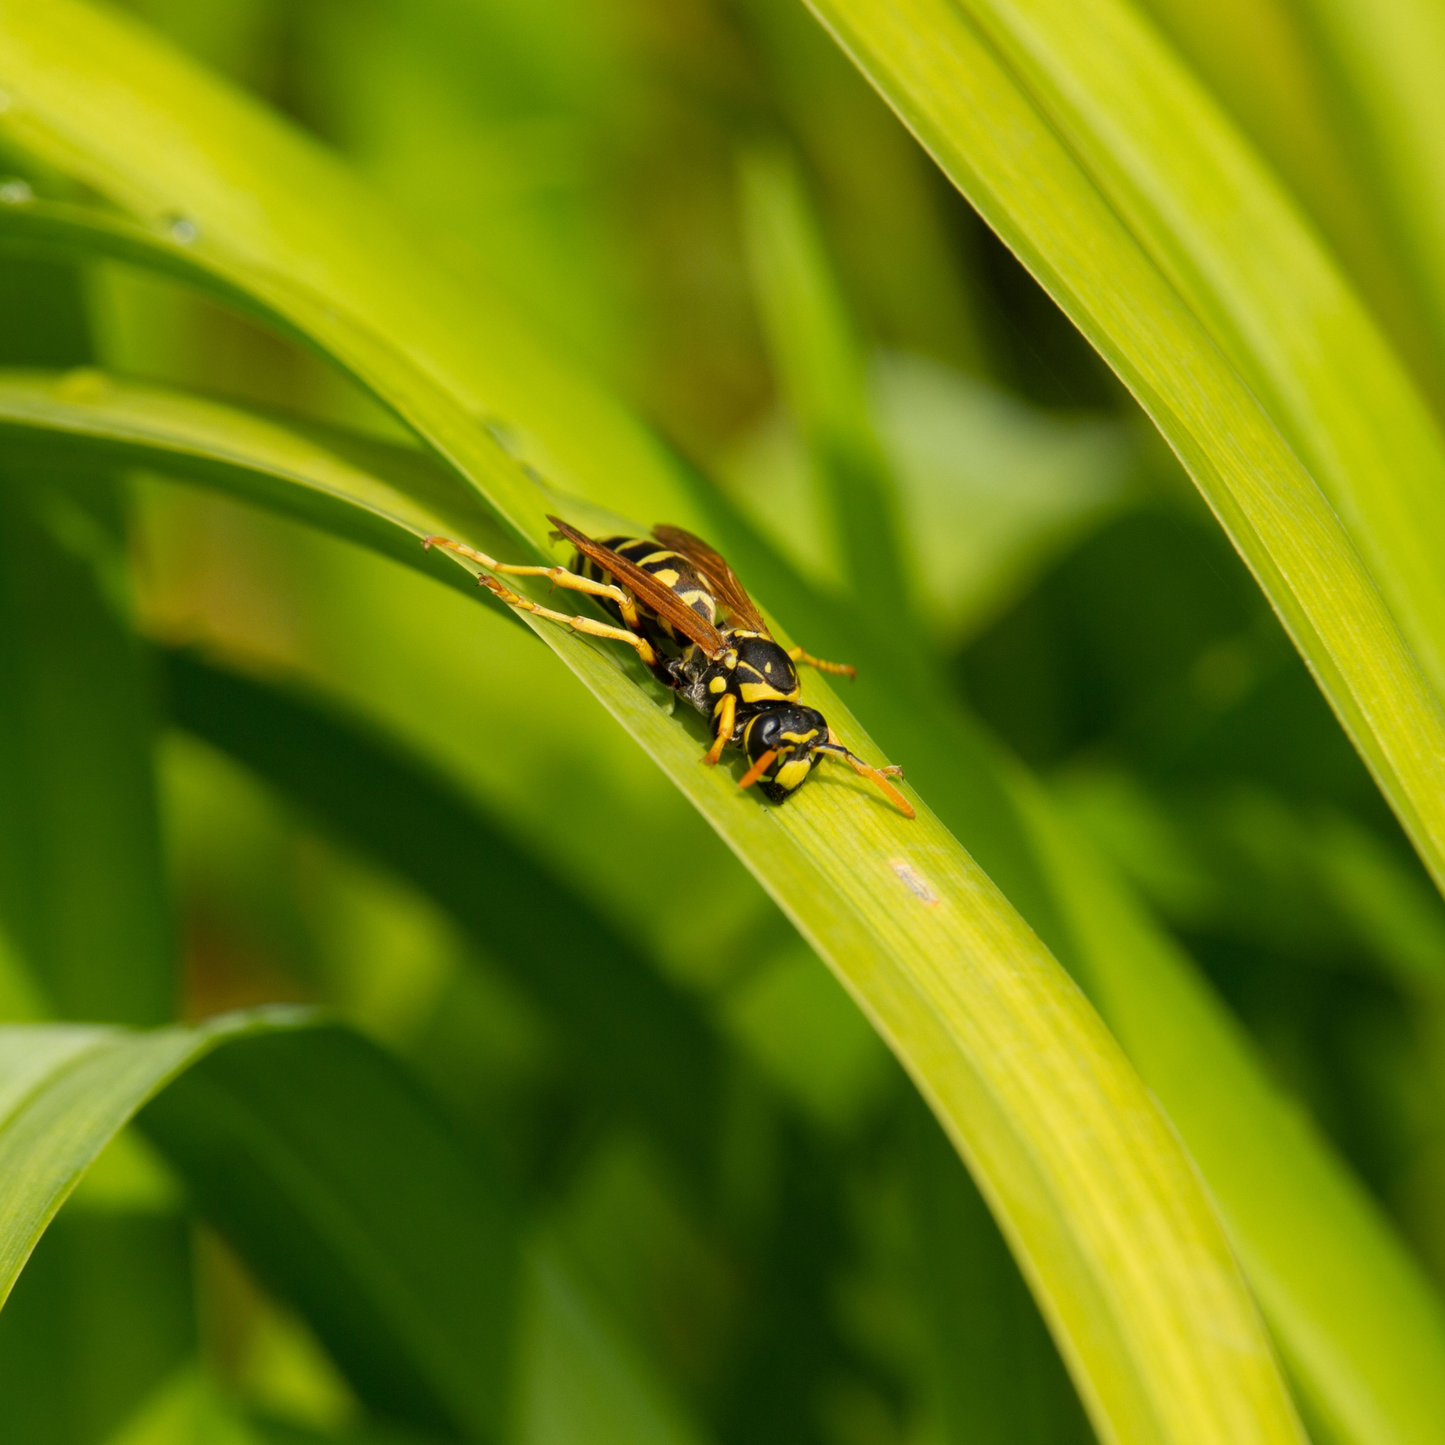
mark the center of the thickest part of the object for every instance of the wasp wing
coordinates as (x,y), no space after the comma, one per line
(714,570)
(647,590)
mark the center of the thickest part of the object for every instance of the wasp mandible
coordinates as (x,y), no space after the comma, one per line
(698,632)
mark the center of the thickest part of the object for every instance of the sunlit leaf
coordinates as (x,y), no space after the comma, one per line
(1214,307)
(1348,1356)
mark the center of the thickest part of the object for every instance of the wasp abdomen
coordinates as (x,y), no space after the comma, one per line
(670,568)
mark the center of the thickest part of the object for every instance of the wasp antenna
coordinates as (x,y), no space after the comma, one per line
(757,769)
(874,776)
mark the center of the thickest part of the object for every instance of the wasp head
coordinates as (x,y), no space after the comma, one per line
(788,737)
(784,743)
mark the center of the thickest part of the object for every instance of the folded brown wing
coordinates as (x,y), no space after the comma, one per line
(714,570)
(647,590)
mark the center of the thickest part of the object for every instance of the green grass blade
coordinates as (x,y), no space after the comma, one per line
(83,896)
(1384,64)
(822,375)
(1215,222)
(349,1194)
(988,133)
(1261,61)
(330,1172)
(383,497)
(65,1091)
(1097,1197)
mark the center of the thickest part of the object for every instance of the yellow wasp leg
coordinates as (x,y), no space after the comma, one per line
(578,624)
(838,669)
(560,576)
(726,721)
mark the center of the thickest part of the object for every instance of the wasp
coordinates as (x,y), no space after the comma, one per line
(675,601)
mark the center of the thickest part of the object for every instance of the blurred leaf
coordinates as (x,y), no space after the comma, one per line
(186,1410)
(100,1316)
(1382,74)
(351,1198)
(993,1375)
(1172,250)
(44,309)
(877,190)
(65,1091)
(989,487)
(382,496)
(1262,60)
(821,375)
(81,882)
(82,895)
(1068,1143)
(809,1037)
(636,1038)
(320,1159)
(579,1383)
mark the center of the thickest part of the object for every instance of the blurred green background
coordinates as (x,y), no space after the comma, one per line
(769,1270)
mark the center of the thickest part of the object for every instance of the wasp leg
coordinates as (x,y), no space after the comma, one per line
(838,669)
(588,625)
(560,576)
(727,718)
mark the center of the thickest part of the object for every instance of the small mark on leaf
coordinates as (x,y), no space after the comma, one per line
(915,882)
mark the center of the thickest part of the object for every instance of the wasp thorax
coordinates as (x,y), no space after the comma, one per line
(765,673)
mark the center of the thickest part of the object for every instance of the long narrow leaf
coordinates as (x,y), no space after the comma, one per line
(348,1193)
(331,1174)
(989,135)
(65,1091)
(83,901)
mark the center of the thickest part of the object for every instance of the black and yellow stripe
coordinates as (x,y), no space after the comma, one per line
(670,568)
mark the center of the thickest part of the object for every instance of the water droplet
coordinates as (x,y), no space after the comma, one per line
(16,193)
(4,101)
(184,231)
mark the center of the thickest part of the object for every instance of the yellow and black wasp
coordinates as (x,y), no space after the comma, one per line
(684,611)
